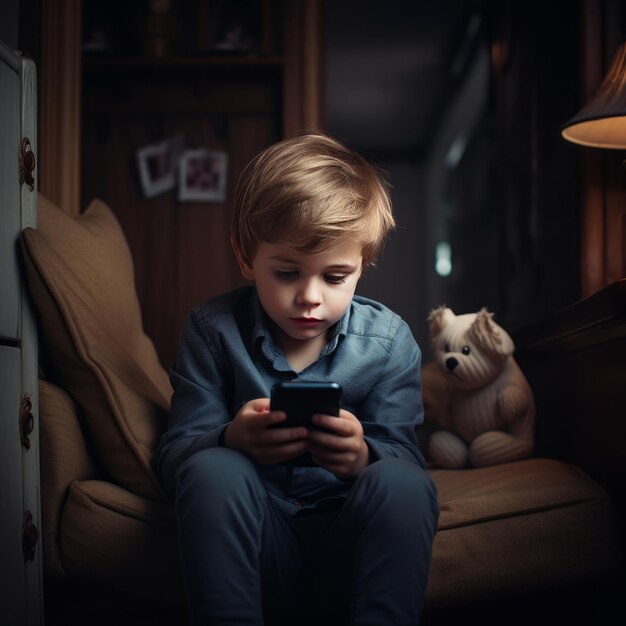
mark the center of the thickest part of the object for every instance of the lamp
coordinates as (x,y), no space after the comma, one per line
(601,123)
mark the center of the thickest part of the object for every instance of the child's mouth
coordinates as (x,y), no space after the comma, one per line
(305,321)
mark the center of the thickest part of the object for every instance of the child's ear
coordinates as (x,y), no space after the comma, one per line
(244,266)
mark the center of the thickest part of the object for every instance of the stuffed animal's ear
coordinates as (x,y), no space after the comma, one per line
(489,336)
(438,319)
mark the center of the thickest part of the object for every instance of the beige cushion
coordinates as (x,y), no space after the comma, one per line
(128,542)
(80,275)
(64,459)
(531,525)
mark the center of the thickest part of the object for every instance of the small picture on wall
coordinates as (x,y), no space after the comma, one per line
(202,176)
(157,166)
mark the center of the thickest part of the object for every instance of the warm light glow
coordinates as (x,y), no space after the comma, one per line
(607,132)
(601,123)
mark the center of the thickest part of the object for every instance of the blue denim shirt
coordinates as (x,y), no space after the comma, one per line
(227,357)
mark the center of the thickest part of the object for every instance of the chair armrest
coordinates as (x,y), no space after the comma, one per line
(575,362)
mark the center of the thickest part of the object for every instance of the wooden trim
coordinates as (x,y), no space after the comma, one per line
(623,229)
(614,216)
(303,79)
(313,97)
(592,244)
(59,172)
(292,91)
(603,197)
(591,321)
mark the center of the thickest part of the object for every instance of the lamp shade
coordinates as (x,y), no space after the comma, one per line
(601,123)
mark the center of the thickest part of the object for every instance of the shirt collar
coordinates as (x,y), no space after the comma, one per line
(259,327)
(260,330)
(339,331)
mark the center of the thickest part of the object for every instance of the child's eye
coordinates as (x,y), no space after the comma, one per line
(335,279)
(286,274)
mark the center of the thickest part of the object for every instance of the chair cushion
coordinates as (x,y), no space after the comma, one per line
(80,274)
(64,459)
(519,527)
(123,540)
(525,526)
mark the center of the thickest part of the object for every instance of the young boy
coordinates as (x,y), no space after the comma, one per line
(329,523)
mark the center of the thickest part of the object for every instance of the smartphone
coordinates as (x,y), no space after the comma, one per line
(302,400)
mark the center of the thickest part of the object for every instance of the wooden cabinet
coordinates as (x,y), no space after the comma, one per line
(235,102)
(20,548)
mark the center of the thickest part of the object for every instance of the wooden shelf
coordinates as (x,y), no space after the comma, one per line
(591,321)
(228,61)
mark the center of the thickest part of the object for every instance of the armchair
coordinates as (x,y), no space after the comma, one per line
(526,528)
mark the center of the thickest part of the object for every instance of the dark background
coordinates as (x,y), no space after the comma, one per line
(406,85)
(461,102)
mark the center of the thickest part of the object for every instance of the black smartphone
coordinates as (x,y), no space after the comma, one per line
(302,400)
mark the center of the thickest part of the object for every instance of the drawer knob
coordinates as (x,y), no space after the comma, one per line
(27,164)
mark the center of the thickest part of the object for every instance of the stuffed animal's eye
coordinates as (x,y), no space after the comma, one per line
(446,348)
(465,350)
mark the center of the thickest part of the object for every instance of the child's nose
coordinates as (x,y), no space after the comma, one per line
(310,294)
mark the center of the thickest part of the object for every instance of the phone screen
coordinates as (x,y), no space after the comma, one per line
(302,400)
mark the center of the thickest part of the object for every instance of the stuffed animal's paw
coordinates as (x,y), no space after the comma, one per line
(447,450)
(495,447)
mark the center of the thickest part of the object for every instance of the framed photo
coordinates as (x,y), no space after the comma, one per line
(202,176)
(157,166)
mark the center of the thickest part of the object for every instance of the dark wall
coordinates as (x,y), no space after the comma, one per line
(403,85)
(9,19)
(536,90)
(387,71)
(494,81)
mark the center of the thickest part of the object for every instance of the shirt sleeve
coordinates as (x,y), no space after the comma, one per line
(199,413)
(393,408)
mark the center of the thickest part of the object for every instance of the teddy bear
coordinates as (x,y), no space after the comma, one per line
(488,403)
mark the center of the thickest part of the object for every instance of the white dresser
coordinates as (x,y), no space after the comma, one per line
(21,587)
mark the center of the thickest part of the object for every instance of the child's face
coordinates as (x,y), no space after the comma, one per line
(305,293)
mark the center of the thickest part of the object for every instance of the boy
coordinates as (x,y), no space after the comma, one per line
(301,523)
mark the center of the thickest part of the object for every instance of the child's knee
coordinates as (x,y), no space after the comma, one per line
(396,483)
(215,470)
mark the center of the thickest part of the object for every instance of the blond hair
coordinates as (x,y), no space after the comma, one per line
(309,192)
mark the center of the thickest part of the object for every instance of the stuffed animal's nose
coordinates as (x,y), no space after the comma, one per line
(451,363)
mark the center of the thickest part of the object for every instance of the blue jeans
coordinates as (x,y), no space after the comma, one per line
(363,560)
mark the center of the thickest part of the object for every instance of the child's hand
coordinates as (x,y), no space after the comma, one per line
(341,448)
(250,432)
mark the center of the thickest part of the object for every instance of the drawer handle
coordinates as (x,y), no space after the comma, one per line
(27,421)
(27,164)
(29,537)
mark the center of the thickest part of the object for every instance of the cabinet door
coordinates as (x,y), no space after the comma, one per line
(20,550)
(13,595)
(10,193)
